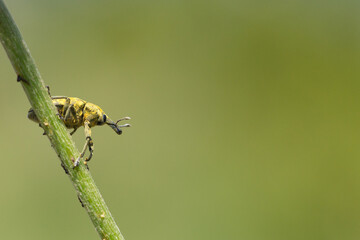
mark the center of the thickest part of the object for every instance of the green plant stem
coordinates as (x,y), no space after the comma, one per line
(58,135)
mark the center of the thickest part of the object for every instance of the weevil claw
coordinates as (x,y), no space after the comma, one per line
(61,117)
(76,163)
(86,165)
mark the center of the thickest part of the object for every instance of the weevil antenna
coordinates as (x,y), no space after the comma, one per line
(122,119)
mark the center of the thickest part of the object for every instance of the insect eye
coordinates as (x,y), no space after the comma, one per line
(104,118)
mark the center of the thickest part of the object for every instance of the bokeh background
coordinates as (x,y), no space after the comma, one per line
(245,119)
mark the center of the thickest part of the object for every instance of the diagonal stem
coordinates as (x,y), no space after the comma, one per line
(60,139)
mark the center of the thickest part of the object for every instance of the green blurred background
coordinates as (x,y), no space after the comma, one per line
(245,119)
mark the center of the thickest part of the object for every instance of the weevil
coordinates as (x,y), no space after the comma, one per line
(75,112)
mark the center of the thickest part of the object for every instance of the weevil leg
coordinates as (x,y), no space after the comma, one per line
(73,131)
(89,143)
(20,78)
(91,150)
(77,161)
(66,107)
(73,112)
(48,88)
(61,117)
(70,111)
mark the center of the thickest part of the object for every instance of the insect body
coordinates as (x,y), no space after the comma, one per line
(75,112)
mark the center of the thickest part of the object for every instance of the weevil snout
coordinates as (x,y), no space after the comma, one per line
(116,127)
